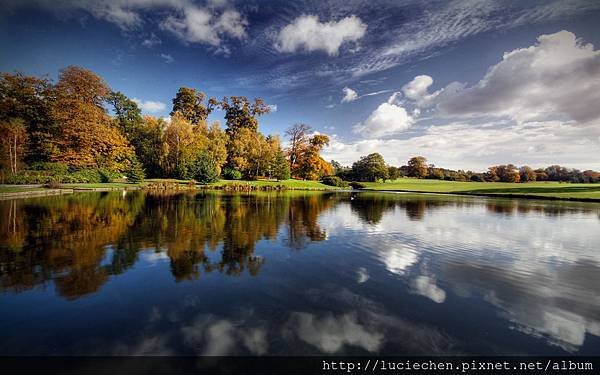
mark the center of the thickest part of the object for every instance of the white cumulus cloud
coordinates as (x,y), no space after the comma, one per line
(150,106)
(389,118)
(557,76)
(200,25)
(349,95)
(308,33)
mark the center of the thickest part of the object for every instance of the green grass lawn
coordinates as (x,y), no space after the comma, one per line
(534,189)
(17,189)
(554,190)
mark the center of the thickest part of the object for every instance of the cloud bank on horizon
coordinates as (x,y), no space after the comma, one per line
(469,83)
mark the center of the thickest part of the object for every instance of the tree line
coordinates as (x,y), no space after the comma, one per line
(79,130)
(65,131)
(374,168)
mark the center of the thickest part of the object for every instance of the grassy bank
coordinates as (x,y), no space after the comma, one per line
(544,190)
(288,184)
(183,184)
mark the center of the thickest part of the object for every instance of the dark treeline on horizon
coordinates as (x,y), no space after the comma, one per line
(374,168)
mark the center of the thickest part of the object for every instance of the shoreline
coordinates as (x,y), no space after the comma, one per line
(41,192)
(491,195)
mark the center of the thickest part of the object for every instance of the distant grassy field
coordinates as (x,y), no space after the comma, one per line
(554,190)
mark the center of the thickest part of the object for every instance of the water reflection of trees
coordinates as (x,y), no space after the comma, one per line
(80,240)
(371,207)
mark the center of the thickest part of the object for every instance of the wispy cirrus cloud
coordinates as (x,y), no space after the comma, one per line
(167,57)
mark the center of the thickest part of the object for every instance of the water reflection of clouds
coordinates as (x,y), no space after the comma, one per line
(211,336)
(426,286)
(540,268)
(356,325)
(331,333)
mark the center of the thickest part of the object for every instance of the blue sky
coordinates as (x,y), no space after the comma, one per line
(465,83)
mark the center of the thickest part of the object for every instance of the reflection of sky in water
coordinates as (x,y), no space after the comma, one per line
(540,271)
(400,275)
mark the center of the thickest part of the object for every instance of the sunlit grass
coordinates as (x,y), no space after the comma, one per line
(535,189)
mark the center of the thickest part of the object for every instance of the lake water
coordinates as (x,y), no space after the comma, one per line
(298,273)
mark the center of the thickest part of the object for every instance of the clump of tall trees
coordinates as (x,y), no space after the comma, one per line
(79,130)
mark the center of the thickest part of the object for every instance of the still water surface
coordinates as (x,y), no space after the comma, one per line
(298,273)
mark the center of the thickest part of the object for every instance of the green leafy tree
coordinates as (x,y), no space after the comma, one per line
(242,113)
(128,116)
(204,169)
(281,167)
(192,105)
(394,173)
(135,173)
(370,168)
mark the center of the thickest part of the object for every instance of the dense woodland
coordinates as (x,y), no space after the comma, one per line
(64,132)
(78,130)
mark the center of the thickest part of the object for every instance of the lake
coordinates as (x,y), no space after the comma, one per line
(298,273)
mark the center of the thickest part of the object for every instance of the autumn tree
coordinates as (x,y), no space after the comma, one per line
(312,166)
(217,145)
(245,144)
(87,136)
(417,167)
(192,105)
(150,146)
(298,136)
(184,144)
(14,137)
(527,174)
(540,174)
(503,173)
(29,99)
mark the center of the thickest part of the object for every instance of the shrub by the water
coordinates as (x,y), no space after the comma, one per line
(334,181)
(357,185)
(135,172)
(53,185)
(231,174)
(46,174)
(205,169)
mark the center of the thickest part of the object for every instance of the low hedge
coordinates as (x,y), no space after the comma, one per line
(357,185)
(46,175)
(334,181)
